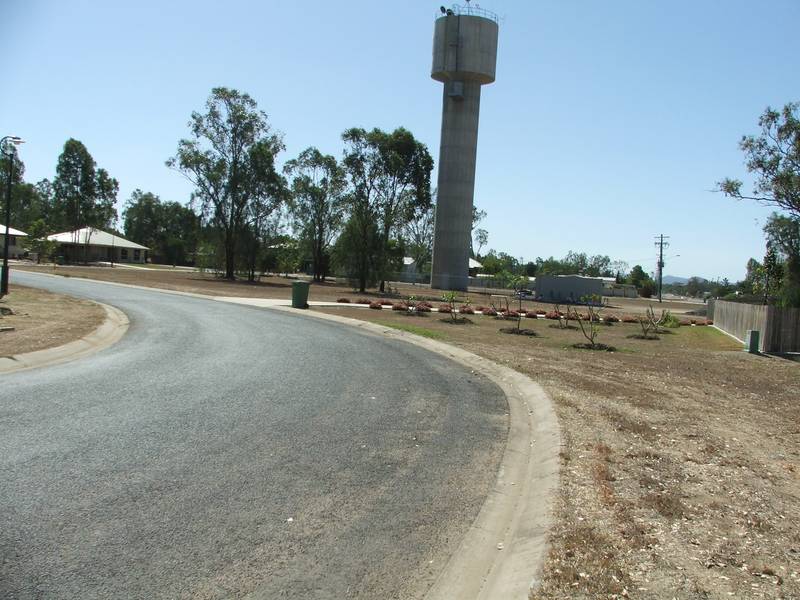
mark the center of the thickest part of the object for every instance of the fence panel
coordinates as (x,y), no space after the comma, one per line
(736,318)
(782,333)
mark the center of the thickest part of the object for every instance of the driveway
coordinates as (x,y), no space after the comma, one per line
(223,451)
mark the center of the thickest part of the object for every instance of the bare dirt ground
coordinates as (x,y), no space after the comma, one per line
(680,455)
(44,320)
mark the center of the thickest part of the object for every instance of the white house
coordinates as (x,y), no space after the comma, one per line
(95,245)
(15,248)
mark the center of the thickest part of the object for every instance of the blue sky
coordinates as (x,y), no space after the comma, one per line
(609,121)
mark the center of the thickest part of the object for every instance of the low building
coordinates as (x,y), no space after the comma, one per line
(15,249)
(474,267)
(95,245)
(568,288)
(620,290)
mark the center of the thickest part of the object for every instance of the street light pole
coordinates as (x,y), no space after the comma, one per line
(4,143)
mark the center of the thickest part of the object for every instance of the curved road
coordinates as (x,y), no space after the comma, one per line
(223,451)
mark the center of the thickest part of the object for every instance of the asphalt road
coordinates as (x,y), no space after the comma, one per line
(223,451)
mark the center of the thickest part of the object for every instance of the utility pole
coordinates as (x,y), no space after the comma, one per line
(661,244)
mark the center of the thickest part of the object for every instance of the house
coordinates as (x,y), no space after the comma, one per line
(474,267)
(15,249)
(95,245)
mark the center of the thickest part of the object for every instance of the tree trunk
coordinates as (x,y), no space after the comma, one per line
(229,256)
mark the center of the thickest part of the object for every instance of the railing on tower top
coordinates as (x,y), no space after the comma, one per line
(467,9)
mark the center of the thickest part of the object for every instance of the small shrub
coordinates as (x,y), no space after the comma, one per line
(376,305)
(701,323)
(343,300)
(513,314)
(422,308)
(532,315)
(399,306)
(685,323)
(466,310)
(386,302)
(669,320)
(709,322)
(489,312)
(541,312)
(552,315)
(611,319)
(629,319)
(363,301)
(426,304)
(480,308)
(445,308)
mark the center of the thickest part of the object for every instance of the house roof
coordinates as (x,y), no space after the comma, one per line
(12,231)
(94,237)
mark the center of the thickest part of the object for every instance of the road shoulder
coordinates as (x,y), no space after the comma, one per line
(108,333)
(503,553)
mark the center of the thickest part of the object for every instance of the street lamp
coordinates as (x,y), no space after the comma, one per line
(7,147)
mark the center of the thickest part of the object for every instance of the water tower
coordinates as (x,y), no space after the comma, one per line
(464,59)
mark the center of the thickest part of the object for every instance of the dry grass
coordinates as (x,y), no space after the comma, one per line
(44,320)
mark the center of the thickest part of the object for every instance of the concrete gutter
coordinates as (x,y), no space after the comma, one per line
(109,332)
(503,553)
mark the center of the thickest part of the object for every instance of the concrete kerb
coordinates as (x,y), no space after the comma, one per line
(503,553)
(109,332)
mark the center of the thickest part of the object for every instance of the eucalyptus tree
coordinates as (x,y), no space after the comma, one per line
(773,156)
(317,204)
(389,177)
(230,159)
(83,195)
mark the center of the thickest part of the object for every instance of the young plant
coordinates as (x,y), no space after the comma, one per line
(450,298)
(594,304)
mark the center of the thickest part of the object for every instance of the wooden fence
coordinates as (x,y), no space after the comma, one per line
(779,327)
(782,333)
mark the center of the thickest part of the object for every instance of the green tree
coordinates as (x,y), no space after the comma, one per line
(37,241)
(479,237)
(83,196)
(772,271)
(783,236)
(389,175)
(774,157)
(231,162)
(356,249)
(318,204)
(169,229)
(27,206)
(497,262)
(419,233)
(142,216)
(637,276)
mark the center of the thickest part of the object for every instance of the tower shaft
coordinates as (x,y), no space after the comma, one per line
(456,184)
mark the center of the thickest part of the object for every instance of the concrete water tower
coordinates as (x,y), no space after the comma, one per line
(464,59)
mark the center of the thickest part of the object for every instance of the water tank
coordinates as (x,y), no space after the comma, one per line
(465,48)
